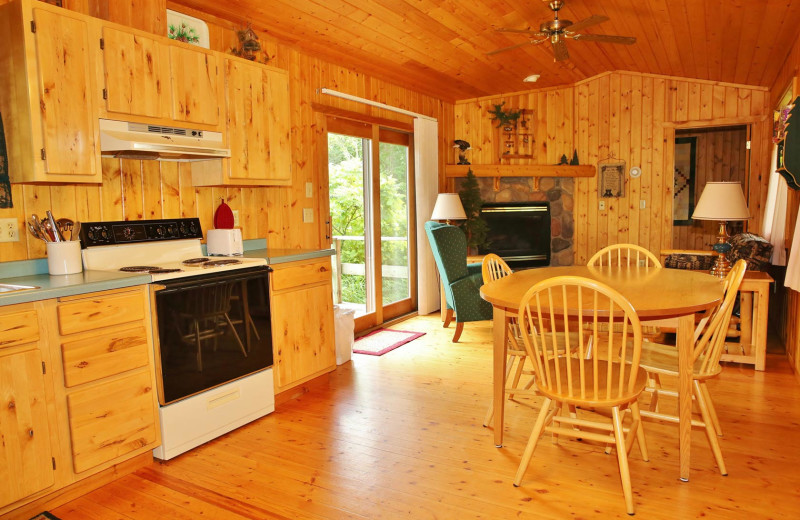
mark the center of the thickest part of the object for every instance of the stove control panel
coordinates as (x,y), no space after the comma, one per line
(131,231)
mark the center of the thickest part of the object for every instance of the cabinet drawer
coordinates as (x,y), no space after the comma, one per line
(94,358)
(18,328)
(100,311)
(111,420)
(304,274)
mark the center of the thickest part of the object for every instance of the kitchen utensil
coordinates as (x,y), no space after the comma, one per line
(39,225)
(76,230)
(58,237)
(223,217)
(66,226)
(47,228)
(35,231)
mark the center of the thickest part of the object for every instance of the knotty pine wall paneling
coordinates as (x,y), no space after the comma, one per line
(632,117)
(146,189)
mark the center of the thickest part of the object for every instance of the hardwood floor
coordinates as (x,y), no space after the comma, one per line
(400,436)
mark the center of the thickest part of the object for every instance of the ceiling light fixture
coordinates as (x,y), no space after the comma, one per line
(533,78)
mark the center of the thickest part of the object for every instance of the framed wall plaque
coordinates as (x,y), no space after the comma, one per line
(683,192)
(611,182)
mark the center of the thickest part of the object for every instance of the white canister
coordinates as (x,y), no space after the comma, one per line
(64,257)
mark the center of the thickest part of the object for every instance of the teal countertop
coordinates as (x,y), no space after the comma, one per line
(66,285)
(280,256)
(34,272)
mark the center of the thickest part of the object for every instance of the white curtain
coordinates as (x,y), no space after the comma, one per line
(773,227)
(426,177)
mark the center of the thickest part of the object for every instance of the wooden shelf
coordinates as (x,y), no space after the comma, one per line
(520,170)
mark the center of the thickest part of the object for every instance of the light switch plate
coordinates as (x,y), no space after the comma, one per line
(308,215)
(236,218)
(642,204)
(309,189)
(602,205)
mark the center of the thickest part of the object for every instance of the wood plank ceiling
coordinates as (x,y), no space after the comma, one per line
(440,46)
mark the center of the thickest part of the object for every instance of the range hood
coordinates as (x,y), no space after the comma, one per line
(127,140)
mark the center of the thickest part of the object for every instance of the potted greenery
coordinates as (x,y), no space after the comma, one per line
(506,119)
(475,227)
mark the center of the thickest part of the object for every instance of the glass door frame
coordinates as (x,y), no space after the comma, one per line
(376,133)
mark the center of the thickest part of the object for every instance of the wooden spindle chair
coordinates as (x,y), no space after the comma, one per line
(494,268)
(709,345)
(629,255)
(548,313)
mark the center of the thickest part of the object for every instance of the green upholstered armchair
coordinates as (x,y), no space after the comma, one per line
(461,282)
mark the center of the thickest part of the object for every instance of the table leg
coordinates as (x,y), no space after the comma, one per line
(760,313)
(500,342)
(685,344)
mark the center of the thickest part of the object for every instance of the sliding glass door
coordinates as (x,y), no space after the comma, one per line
(370,221)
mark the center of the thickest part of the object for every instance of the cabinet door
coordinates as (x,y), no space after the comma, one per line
(110,420)
(136,74)
(195,81)
(279,144)
(302,334)
(248,119)
(69,118)
(26,465)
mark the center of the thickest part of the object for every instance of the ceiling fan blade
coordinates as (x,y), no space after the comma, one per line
(522,31)
(490,53)
(587,22)
(606,38)
(560,50)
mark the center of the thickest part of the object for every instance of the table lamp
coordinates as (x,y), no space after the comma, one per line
(448,207)
(722,201)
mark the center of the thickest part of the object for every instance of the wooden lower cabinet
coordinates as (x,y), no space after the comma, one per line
(26,455)
(77,392)
(301,299)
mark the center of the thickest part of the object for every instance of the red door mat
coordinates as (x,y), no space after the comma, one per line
(381,341)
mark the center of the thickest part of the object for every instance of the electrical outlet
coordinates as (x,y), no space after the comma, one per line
(236,218)
(9,230)
(602,205)
(309,190)
(308,215)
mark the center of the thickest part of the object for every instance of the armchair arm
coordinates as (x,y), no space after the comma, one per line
(467,302)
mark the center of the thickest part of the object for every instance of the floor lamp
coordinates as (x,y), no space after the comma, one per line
(721,201)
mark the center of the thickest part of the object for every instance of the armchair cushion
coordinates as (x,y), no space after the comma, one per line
(755,250)
(689,261)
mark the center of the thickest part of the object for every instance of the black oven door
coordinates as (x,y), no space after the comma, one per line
(212,329)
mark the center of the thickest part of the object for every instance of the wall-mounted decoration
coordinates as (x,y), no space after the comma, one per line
(635,172)
(611,182)
(189,29)
(462,146)
(5,182)
(683,194)
(789,148)
(514,139)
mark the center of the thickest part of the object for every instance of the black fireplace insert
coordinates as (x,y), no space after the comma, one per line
(519,232)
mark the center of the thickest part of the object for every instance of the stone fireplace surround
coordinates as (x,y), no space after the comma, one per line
(559,191)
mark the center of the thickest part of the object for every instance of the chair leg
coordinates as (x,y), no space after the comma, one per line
(711,410)
(538,428)
(448,317)
(640,439)
(656,386)
(235,334)
(622,458)
(517,374)
(459,330)
(710,433)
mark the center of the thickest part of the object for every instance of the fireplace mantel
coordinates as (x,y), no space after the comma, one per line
(520,170)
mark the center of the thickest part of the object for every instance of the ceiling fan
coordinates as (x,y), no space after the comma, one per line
(558,31)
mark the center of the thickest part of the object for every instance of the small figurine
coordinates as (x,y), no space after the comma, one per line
(463,146)
(564,160)
(574,161)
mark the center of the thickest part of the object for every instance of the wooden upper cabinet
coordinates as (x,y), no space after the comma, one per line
(47,95)
(258,128)
(135,74)
(195,87)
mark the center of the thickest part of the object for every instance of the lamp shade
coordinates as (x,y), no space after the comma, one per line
(448,207)
(721,201)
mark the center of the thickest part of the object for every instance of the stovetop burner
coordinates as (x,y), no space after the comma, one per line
(148,269)
(227,261)
(138,268)
(194,261)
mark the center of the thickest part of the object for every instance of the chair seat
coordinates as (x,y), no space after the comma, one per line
(663,359)
(571,393)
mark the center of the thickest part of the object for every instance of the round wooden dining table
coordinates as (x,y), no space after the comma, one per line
(654,292)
